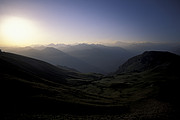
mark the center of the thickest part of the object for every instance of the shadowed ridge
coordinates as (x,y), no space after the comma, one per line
(149,60)
(32,66)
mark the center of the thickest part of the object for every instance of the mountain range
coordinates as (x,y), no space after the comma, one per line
(104,57)
(82,57)
(144,87)
(57,57)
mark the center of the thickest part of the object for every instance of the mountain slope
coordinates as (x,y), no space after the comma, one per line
(57,57)
(149,60)
(31,67)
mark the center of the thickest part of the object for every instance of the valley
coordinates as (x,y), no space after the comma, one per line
(145,89)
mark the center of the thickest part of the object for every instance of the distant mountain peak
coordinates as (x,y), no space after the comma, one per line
(52,50)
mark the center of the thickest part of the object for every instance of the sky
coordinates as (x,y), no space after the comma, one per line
(27,22)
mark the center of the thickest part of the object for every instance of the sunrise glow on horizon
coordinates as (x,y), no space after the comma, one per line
(17,31)
(25,23)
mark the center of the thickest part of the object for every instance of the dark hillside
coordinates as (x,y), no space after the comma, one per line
(13,63)
(149,60)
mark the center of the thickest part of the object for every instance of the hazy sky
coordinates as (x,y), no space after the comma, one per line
(25,22)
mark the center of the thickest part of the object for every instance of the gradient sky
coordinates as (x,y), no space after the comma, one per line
(94,21)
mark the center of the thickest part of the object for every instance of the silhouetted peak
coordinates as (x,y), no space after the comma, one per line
(52,44)
(52,54)
(51,50)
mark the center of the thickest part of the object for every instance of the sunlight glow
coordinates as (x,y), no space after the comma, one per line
(17,31)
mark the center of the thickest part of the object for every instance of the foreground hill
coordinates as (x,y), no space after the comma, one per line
(148,90)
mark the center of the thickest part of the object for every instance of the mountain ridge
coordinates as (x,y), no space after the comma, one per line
(57,57)
(148,60)
(83,57)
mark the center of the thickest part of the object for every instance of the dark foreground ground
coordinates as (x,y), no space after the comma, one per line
(146,87)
